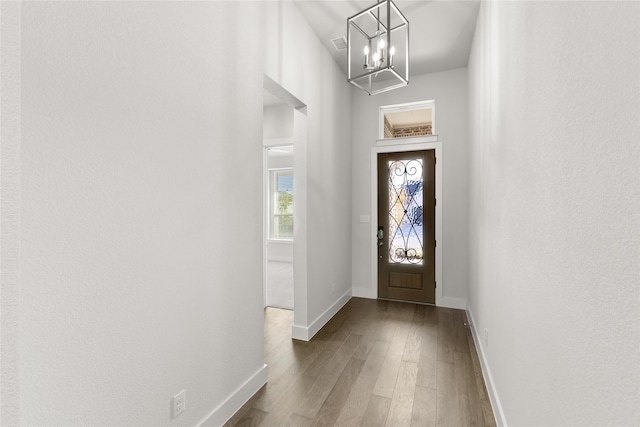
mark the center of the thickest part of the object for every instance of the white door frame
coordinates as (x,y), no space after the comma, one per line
(400,145)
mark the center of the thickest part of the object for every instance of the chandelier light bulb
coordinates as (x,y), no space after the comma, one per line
(366,57)
(392,51)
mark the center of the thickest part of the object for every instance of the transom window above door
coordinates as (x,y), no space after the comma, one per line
(407,120)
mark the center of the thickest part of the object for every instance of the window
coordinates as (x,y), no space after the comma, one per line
(281,204)
(407,120)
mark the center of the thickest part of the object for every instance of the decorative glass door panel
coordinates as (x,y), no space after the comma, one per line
(405,211)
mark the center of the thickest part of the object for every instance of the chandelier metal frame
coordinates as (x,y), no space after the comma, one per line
(380,73)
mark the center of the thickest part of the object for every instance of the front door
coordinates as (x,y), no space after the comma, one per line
(406,230)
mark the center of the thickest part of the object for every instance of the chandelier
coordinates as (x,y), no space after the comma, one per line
(378,48)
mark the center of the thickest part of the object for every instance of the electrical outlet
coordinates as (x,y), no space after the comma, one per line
(179,402)
(486,336)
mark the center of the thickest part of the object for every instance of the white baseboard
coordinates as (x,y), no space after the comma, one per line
(234,402)
(449,302)
(365,293)
(486,373)
(306,333)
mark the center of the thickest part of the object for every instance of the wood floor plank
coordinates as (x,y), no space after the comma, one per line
(276,319)
(337,364)
(322,358)
(413,345)
(461,332)
(377,411)
(296,420)
(330,410)
(297,353)
(278,351)
(468,399)
(277,387)
(285,404)
(487,414)
(328,344)
(252,418)
(423,413)
(356,403)
(402,401)
(427,365)
(447,401)
(446,336)
(367,342)
(243,410)
(337,322)
(387,332)
(419,314)
(431,315)
(318,392)
(386,382)
(480,386)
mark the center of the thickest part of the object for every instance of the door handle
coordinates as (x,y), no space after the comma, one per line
(380,235)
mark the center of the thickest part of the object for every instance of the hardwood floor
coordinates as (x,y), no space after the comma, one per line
(376,363)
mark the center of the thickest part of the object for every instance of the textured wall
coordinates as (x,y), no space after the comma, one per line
(555,232)
(141,126)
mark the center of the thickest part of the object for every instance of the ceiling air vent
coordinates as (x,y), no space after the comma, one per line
(339,43)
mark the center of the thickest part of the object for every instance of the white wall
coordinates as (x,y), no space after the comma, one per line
(9,211)
(277,160)
(138,278)
(277,121)
(281,251)
(449,90)
(298,61)
(555,196)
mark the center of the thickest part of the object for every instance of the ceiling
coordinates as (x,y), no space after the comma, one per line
(440,34)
